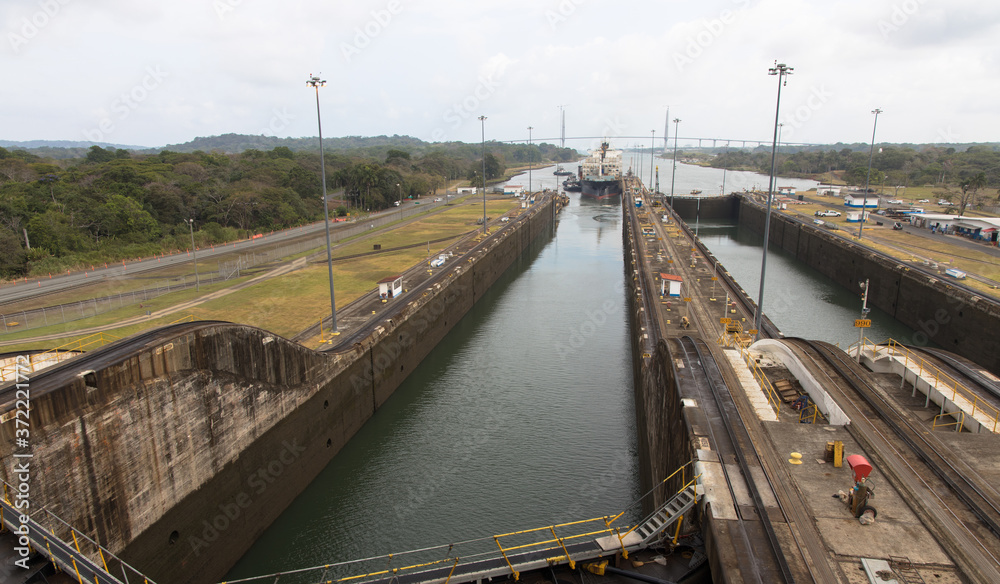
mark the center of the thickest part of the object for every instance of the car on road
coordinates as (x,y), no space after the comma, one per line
(894,202)
(945,203)
(828,213)
(438,200)
(897,226)
(924,201)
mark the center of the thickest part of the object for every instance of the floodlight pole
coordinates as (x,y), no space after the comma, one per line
(194,257)
(871,151)
(482,121)
(782,71)
(316,82)
(530,156)
(673,173)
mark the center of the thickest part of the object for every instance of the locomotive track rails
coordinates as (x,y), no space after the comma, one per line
(959,507)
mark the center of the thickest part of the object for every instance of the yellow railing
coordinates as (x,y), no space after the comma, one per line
(772,394)
(958,419)
(943,383)
(805,414)
(53,529)
(552,539)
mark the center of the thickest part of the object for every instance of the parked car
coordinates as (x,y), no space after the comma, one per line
(924,201)
(944,203)
(828,213)
(894,202)
(897,226)
(438,200)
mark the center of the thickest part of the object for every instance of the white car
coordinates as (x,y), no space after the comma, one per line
(944,203)
(894,202)
(438,200)
(924,201)
(828,213)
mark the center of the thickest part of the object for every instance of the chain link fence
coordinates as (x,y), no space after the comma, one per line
(13,321)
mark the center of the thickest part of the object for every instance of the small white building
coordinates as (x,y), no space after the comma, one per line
(786,191)
(515,190)
(467,190)
(857,200)
(855,216)
(390,287)
(670,285)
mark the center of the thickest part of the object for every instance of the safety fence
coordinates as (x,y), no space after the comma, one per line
(507,554)
(954,391)
(69,549)
(13,321)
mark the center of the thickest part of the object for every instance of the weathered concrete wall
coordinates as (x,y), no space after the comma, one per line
(664,436)
(707,208)
(180,453)
(959,321)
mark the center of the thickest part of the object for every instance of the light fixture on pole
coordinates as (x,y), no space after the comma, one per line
(782,71)
(864,316)
(531,155)
(194,257)
(673,174)
(652,147)
(871,151)
(482,121)
(316,82)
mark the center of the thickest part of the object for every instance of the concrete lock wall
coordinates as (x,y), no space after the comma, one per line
(957,320)
(706,208)
(180,455)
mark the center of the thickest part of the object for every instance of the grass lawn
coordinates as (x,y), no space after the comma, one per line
(289,303)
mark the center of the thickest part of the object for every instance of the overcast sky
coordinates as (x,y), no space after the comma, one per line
(151,73)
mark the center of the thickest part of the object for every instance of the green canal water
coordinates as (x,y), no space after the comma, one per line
(521,417)
(801,301)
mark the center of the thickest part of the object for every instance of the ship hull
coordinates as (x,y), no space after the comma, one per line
(602,190)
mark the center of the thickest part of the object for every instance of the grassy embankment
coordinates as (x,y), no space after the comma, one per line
(288,304)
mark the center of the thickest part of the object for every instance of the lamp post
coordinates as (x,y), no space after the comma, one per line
(652,147)
(482,121)
(782,71)
(871,151)
(316,83)
(194,257)
(864,314)
(673,173)
(530,157)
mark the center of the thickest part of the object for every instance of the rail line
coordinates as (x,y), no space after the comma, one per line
(967,489)
(737,444)
(964,369)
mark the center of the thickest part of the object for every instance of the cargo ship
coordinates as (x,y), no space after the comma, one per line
(601,173)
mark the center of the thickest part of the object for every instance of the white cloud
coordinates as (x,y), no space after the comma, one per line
(419,67)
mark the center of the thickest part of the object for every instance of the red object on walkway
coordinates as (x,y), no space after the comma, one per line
(860,466)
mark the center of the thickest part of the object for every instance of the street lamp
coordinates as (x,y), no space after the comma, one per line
(194,257)
(871,151)
(530,157)
(673,174)
(652,147)
(782,71)
(316,82)
(482,121)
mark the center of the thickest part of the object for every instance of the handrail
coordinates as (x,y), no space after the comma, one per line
(493,548)
(693,481)
(940,379)
(49,537)
(765,383)
(958,420)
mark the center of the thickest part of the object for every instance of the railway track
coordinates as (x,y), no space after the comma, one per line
(958,506)
(753,525)
(964,370)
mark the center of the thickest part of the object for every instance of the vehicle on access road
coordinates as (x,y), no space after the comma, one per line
(828,213)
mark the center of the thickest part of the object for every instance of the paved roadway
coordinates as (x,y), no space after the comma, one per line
(35,286)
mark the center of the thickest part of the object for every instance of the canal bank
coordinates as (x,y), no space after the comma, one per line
(176,448)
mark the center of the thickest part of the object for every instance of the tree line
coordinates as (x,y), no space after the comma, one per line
(112,204)
(891,165)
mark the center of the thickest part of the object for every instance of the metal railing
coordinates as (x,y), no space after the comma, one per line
(50,536)
(758,374)
(958,420)
(37,361)
(548,544)
(946,385)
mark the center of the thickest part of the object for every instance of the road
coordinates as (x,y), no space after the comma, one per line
(22,290)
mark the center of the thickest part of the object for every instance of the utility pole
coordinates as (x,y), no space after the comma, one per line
(782,71)
(482,121)
(316,82)
(864,202)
